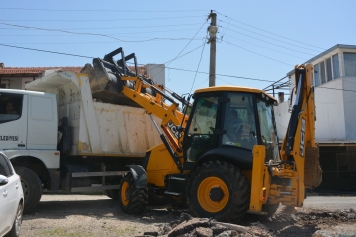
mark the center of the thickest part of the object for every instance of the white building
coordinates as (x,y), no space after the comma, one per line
(335,96)
(335,100)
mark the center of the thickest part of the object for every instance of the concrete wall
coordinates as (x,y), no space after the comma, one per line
(349,99)
(157,73)
(330,112)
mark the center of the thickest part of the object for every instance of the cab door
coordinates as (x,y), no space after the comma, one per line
(202,130)
(13,126)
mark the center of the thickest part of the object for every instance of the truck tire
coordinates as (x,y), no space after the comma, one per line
(220,190)
(112,193)
(32,187)
(270,209)
(132,200)
(179,202)
(156,199)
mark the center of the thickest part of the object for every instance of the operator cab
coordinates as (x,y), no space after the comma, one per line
(232,118)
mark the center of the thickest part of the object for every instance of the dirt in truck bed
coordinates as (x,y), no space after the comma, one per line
(97,215)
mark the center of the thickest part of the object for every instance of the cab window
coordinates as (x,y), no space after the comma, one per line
(239,121)
(10,107)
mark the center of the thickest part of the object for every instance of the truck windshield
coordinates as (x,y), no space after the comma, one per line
(268,130)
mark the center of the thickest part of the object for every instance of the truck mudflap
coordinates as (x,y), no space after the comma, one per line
(139,175)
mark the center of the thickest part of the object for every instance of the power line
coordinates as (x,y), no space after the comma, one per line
(119,27)
(83,10)
(259,54)
(201,56)
(170,61)
(179,69)
(268,31)
(122,34)
(223,75)
(82,33)
(185,53)
(123,19)
(47,51)
(265,47)
(270,43)
(272,38)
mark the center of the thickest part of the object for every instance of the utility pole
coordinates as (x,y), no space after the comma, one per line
(213,30)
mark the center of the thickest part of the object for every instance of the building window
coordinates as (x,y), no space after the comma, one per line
(350,64)
(336,70)
(322,72)
(316,75)
(329,72)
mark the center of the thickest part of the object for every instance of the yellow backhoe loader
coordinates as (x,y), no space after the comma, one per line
(223,159)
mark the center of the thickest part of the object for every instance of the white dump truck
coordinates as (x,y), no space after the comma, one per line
(60,135)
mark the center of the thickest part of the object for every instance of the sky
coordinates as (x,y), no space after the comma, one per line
(259,42)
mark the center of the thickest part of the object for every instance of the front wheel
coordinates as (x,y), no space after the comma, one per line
(132,200)
(32,187)
(220,190)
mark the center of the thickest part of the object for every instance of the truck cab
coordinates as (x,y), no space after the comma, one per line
(28,121)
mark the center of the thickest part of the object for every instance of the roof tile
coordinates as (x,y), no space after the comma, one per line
(38,70)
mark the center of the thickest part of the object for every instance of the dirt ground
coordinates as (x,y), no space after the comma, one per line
(97,215)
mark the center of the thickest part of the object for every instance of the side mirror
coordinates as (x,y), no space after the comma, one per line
(3,180)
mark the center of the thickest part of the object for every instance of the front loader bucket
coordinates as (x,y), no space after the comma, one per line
(106,84)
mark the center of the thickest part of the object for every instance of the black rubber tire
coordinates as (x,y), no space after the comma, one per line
(237,186)
(136,197)
(32,187)
(16,227)
(112,193)
(179,202)
(269,208)
(156,199)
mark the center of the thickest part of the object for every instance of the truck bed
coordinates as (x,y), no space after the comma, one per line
(98,129)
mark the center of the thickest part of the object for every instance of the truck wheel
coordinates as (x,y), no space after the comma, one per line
(112,193)
(32,187)
(132,200)
(220,190)
(179,202)
(269,208)
(155,198)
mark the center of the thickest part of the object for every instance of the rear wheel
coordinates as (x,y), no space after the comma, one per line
(270,209)
(112,193)
(132,200)
(218,189)
(179,202)
(32,187)
(156,198)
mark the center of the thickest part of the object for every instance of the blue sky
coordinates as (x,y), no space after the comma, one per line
(257,39)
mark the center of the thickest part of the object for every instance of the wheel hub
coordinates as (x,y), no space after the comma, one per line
(216,194)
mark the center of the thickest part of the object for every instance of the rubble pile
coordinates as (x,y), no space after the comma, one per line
(188,226)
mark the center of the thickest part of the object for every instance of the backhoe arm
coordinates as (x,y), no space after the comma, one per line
(284,181)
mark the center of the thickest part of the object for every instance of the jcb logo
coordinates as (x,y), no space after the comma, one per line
(174,130)
(302,138)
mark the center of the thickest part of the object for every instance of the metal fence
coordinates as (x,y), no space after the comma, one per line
(339,169)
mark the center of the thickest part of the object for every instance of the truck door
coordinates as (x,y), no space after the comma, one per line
(13,121)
